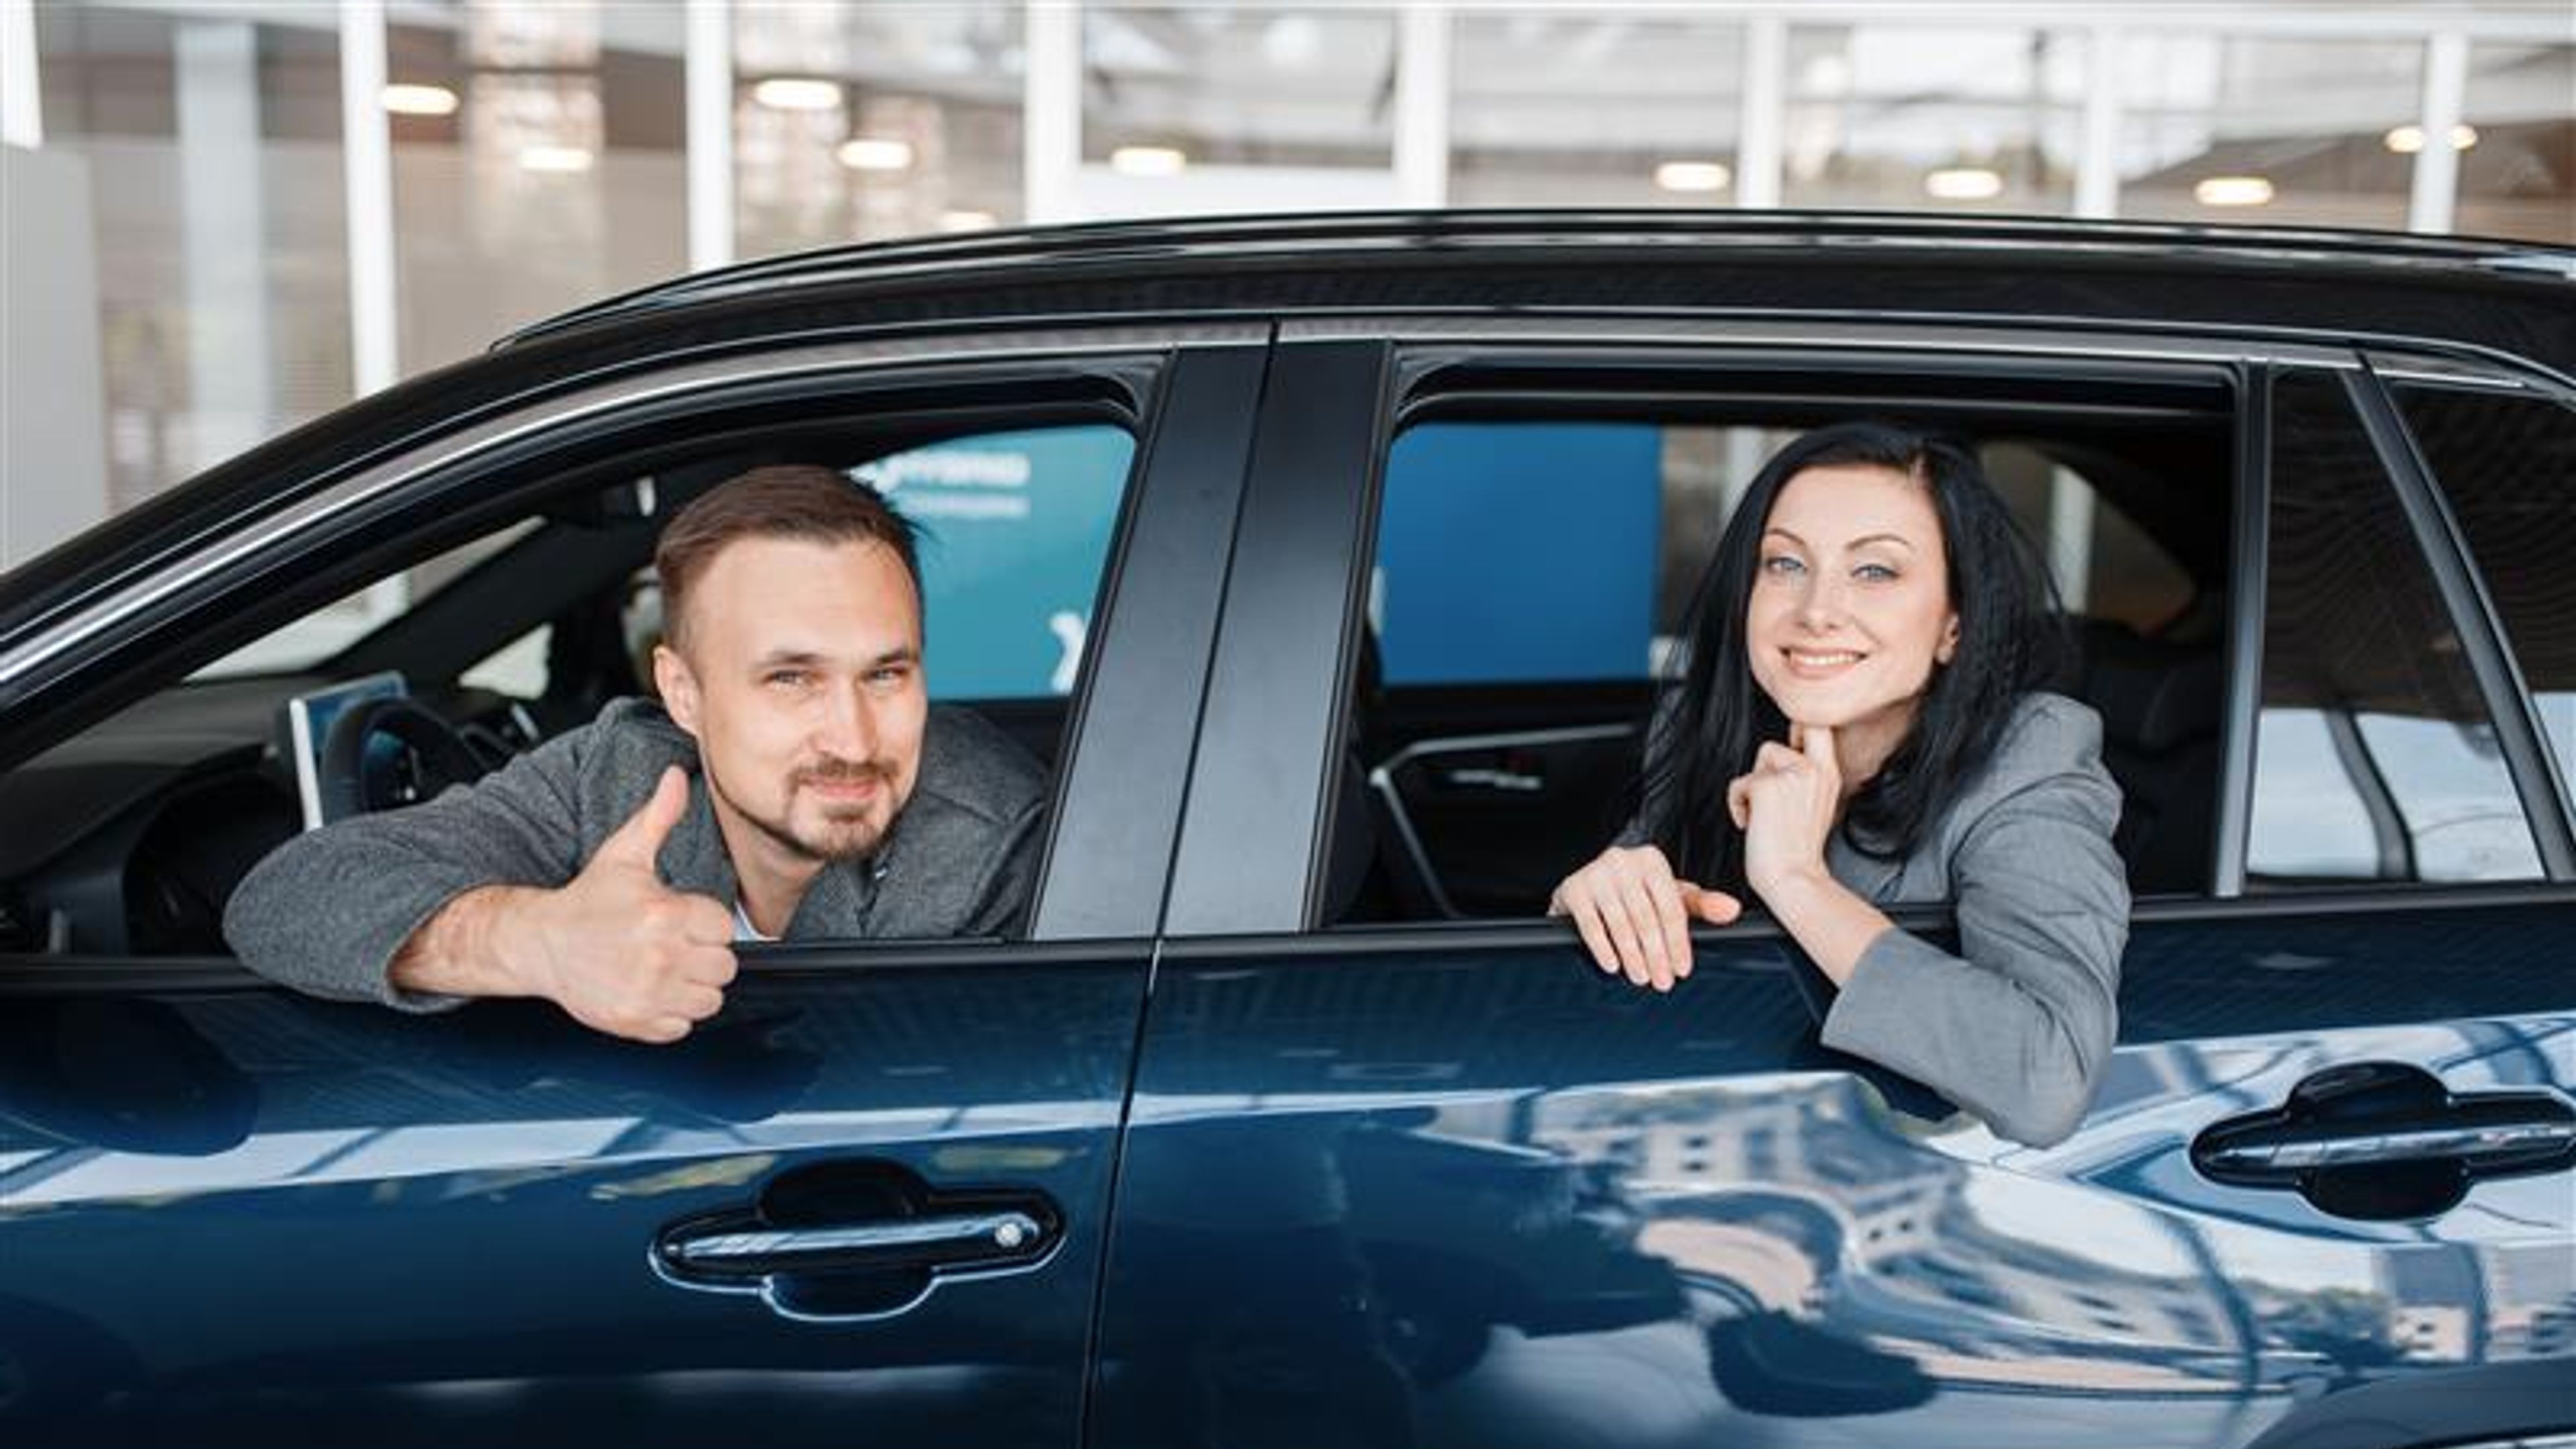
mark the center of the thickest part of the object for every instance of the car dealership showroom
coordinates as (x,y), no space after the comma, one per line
(1815,723)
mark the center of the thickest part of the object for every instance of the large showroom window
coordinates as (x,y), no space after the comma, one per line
(2517,144)
(537,164)
(1594,108)
(1933,118)
(212,145)
(859,123)
(2259,129)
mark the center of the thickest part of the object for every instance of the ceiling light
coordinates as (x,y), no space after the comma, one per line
(412,100)
(1147,161)
(1963,183)
(798,93)
(964,220)
(2407,140)
(2233,191)
(1292,42)
(1693,176)
(562,159)
(876,153)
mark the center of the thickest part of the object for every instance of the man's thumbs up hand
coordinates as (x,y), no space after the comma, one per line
(638,842)
(614,946)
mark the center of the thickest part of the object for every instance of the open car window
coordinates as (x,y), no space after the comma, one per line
(137,829)
(1533,575)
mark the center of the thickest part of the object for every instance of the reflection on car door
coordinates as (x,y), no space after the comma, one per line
(1450,1186)
(236,1215)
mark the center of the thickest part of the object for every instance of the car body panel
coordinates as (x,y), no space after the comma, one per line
(235,1216)
(1564,1210)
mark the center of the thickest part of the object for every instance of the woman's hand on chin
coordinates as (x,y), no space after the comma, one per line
(1785,806)
(1635,916)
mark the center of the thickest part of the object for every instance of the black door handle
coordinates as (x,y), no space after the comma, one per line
(2383,1140)
(845,1240)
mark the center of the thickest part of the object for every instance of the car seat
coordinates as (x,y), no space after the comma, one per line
(2161,704)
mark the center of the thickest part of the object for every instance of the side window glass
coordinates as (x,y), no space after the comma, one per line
(2508,465)
(1015,529)
(2374,756)
(309,641)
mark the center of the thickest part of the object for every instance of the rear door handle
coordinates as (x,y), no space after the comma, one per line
(2383,1140)
(2286,1154)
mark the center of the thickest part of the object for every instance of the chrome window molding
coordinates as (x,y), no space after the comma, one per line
(2003,341)
(2477,374)
(86,622)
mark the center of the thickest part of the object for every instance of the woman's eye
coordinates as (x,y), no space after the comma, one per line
(1874,572)
(1781,563)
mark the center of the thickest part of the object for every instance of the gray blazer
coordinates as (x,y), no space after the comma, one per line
(326,911)
(2017,1027)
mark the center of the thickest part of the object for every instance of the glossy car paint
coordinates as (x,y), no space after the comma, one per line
(239,1217)
(1536,1206)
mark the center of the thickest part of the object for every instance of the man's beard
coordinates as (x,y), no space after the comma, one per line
(850,838)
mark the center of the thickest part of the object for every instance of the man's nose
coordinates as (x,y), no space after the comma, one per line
(848,725)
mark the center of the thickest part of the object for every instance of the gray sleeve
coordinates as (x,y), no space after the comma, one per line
(1002,909)
(326,911)
(2017,1028)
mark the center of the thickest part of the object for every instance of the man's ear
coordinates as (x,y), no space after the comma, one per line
(677,686)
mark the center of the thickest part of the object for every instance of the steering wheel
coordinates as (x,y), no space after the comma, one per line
(427,755)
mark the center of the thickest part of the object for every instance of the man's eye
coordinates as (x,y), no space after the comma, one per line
(786,678)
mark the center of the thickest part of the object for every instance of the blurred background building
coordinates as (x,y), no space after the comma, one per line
(224,219)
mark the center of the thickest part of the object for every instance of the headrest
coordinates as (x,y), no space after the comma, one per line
(2153,696)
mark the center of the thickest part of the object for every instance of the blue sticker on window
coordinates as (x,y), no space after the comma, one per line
(1519,552)
(1014,530)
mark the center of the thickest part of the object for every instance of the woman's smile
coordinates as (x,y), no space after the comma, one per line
(1821,663)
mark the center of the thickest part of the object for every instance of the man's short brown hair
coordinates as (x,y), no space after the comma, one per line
(789,500)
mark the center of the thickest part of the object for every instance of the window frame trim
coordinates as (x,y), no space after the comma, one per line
(2249,584)
(126,590)
(1123,902)
(1226,844)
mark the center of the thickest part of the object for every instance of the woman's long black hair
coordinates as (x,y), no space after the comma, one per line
(1709,728)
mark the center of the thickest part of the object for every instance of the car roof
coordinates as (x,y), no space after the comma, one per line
(2493,299)
(1743,262)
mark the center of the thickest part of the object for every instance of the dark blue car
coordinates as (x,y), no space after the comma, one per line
(1332,565)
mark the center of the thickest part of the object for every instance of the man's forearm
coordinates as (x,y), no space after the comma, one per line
(462,949)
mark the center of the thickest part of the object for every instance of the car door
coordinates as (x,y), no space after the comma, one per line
(870,1197)
(1443,1183)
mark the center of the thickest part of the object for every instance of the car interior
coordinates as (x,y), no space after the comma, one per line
(1470,800)
(1459,800)
(128,838)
